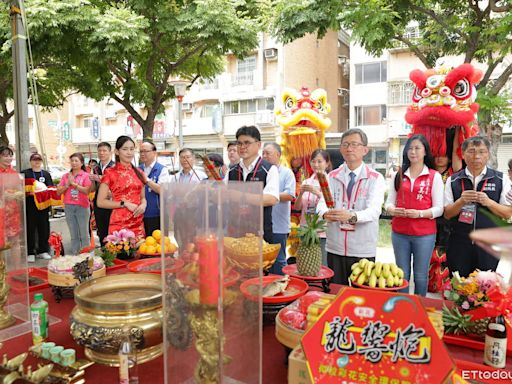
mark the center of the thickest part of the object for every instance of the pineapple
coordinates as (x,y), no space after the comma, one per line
(458,323)
(309,253)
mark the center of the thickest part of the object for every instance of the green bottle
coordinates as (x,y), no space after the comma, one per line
(39,318)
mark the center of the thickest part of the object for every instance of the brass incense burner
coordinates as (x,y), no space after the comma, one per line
(107,304)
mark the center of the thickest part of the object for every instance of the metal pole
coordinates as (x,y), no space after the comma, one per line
(19,45)
(180,122)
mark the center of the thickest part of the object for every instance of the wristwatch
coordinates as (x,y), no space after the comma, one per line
(121,203)
(353,219)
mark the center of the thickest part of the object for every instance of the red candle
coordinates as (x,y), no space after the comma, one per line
(209,279)
(2,231)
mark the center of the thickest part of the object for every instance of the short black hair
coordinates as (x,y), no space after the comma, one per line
(105,144)
(216,159)
(6,150)
(186,150)
(249,130)
(231,143)
(476,141)
(510,164)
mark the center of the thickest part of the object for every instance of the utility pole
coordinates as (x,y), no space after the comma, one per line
(19,46)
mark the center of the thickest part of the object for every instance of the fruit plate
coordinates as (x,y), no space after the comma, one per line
(405,284)
(295,289)
(18,279)
(188,278)
(148,265)
(148,255)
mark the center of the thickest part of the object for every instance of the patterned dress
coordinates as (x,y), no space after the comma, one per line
(124,185)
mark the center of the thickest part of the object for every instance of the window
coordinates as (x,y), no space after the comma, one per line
(376,158)
(400,92)
(88,122)
(371,73)
(370,114)
(249,106)
(207,110)
(246,65)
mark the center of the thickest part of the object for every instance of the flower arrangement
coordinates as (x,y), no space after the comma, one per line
(122,242)
(481,295)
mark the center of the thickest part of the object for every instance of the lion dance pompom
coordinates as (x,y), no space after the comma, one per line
(444,98)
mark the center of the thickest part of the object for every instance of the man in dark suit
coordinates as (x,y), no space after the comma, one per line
(102,215)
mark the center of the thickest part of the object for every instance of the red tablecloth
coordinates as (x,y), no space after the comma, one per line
(274,355)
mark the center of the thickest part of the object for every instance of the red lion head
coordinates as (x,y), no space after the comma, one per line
(442,99)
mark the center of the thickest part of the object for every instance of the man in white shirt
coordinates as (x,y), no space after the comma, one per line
(188,175)
(156,175)
(469,194)
(255,169)
(233,156)
(358,194)
(281,211)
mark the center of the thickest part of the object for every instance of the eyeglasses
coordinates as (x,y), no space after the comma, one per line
(351,145)
(472,152)
(245,144)
(152,150)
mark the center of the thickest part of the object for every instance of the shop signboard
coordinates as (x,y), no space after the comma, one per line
(379,337)
(66,131)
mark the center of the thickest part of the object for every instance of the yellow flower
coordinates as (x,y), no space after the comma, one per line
(126,248)
(469,289)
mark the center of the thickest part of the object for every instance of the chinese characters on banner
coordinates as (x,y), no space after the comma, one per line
(375,337)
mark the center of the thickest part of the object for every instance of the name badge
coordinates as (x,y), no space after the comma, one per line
(74,194)
(467,214)
(346,227)
(42,179)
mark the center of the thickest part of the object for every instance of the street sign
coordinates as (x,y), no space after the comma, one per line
(95,129)
(66,131)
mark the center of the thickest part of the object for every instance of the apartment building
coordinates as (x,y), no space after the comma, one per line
(246,93)
(380,92)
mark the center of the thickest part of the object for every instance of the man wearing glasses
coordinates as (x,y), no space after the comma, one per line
(358,194)
(253,168)
(469,194)
(156,174)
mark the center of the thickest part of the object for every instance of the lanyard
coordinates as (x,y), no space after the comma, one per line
(189,179)
(475,186)
(254,171)
(34,174)
(354,195)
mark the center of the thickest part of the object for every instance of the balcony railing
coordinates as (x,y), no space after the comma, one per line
(243,78)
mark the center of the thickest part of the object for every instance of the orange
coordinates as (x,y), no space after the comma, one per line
(150,240)
(167,240)
(170,248)
(143,248)
(157,234)
(158,248)
(151,249)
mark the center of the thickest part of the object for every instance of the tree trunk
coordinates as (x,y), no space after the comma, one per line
(147,127)
(493,133)
(4,140)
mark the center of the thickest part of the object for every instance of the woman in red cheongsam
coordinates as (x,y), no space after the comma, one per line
(126,184)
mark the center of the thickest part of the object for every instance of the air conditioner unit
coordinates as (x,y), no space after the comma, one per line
(186,107)
(110,114)
(270,54)
(342,59)
(343,92)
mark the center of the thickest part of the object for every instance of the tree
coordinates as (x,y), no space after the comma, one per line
(477,30)
(128,50)
(53,82)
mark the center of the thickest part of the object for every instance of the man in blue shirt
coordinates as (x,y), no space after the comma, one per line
(281,211)
(156,174)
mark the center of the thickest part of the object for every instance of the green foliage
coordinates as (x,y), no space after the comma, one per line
(494,109)
(129,49)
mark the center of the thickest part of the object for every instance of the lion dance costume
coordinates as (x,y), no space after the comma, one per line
(443,101)
(303,122)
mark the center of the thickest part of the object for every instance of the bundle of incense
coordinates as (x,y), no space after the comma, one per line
(211,168)
(324,186)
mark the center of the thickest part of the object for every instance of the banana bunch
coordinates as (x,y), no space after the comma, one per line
(381,275)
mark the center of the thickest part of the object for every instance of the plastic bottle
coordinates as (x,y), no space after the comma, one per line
(495,352)
(39,319)
(128,372)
